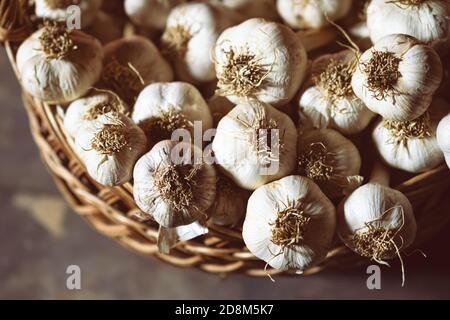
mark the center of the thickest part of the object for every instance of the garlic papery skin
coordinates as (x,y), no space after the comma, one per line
(109,146)
(255,144)
(89,108)
(397,77)
(57,9)
(304,14)
(132,63)
(219,107)
(376,222)
(173,191)
(289,223)
(252,9)
(427,21)
(105,28)
(162,108)
(261,60)
(230,204)
(331,102)
(443,137)
(330,160)
(191,33)
(150,13)
(412,145)
(57,65)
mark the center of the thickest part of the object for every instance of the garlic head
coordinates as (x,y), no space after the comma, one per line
(443,137)
(150,13)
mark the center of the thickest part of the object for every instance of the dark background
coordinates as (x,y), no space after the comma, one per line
(40,236)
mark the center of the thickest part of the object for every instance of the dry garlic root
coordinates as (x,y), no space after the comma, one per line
(162,108)
(89,108)
(303,14)
(377,222)
(261,60)
(57,65)
(426,20)
(105,28)
(191,32)
(290,224)
(255,144)
(132,63)
(174,193)
(109,147)
(412,145)
(397,77)
(252,9)
(330,160)
(230,204)
(150,13)
(57,9)
(331,102)
(443,137)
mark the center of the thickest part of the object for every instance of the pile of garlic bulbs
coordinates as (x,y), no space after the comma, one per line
(225,116)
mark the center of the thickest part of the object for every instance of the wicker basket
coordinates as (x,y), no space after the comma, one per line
(222,251)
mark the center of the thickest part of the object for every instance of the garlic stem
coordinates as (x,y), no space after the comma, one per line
(380,174)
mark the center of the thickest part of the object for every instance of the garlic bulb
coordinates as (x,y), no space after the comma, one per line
(331,102)
(261,60)
(57,65)
(255,144)
(109,146)
(412,145)
(426,20)
(330,160)
(230,204)
(252,9)
(290,224)
(219,106)
(132,63)
(397,77)
(57,9)
(173,185)
(90,108)
(376,221)
(301,14)
(105,28)
(162,108)
(191,32)
(443,137)
(150,13)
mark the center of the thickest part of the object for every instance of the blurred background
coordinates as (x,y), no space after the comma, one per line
(40,237)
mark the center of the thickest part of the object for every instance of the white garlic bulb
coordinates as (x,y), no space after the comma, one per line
(173,184)
(261,60)
(230,204)
(109,147)
(255,144)
(425,20)
(57,9)
(252,9)
(330,160)
(191,32)
(89,108)
(132,63)
(290,223)
(301,14)
(443,137)
(412,145)
(57,65)
(105,28)
(331,102)
(164,107)
(150,13)
(376,221)
(397,77)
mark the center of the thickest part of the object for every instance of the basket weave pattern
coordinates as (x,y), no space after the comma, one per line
(222,250)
